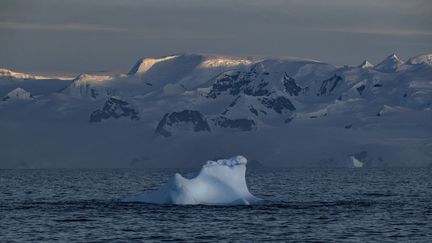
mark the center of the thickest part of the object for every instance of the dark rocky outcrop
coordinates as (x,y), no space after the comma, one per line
(290,85)
(93,93)
(361,88)
(242,124)
(278,104)
(194,118)
(329,85)
(253,110)
(115,108)
(252,82)
(289,119)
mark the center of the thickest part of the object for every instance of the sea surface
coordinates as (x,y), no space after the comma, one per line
(313,204)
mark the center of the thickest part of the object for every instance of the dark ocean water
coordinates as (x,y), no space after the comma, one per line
(303,205)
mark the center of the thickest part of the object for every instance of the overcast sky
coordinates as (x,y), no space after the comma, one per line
(75,36)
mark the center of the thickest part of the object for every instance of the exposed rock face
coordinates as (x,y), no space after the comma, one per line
(114,108)
(278,104)
(223,84)
(259,89)
(360,89)
(170,121)
(329,85)
(290,85)
(242,124)
(252,82)
(253,110)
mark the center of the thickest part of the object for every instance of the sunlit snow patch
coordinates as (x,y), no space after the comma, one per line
(219,182)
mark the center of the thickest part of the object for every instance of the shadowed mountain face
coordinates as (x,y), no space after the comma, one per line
(290,86)
(114,108)
(242,124)
(253,83)
(180,108)
(170,121)
(278,104)
(329,85)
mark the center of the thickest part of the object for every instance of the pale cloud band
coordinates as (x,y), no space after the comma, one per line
(94,28)
(58,27)
(389,32)
(82,34)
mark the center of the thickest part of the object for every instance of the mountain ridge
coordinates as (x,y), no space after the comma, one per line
(270,109)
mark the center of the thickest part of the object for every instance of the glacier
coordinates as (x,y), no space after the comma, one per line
(220,182)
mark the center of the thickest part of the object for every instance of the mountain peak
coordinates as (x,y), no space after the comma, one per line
(366,64)
(394,56)
(85,85)
(390,64)
(144,64)
(18,94)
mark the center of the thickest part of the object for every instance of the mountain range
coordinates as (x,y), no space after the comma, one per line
(178,110)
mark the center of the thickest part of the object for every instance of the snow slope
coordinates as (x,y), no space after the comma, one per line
(86,86)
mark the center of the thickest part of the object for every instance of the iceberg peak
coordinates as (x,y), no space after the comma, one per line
(237,160)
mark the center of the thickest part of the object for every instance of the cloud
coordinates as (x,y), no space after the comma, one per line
(388,32)
(59,27)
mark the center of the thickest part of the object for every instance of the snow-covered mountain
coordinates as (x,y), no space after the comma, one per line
(87,86)
(114,108)
(178,109)
(9,74)
(391,64)
(18,94)
(366,64)
(421,59)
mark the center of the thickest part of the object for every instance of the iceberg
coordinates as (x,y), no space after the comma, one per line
(220,182)
(356,163)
